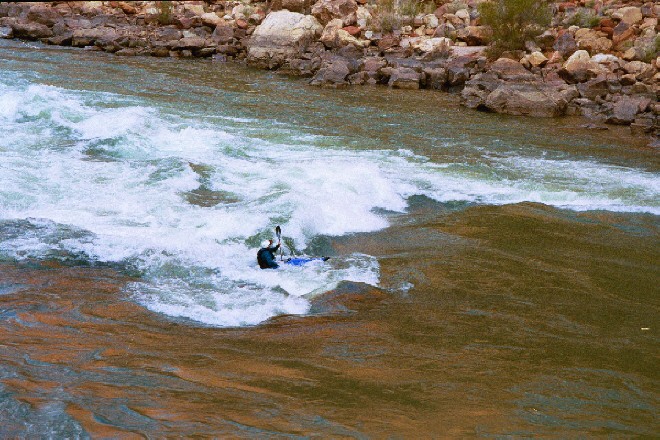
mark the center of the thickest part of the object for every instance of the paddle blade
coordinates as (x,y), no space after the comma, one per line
(278,232)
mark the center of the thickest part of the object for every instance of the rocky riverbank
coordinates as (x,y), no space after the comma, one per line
(598,59)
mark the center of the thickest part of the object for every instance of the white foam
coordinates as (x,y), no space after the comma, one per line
(120,172)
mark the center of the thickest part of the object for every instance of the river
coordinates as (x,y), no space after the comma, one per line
(490,276)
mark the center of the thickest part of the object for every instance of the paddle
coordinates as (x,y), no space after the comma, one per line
(278,232)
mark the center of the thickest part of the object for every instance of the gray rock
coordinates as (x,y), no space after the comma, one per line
(88,37)
(531,99)
(191,43)
(223,34)
(31,31)
(404,78)
(43,14)
(626,109)
(594,88)
(508,69)
(333,73)
(565,45)
(435,77)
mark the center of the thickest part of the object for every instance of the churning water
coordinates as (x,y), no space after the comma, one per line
(134,193)
(176,172)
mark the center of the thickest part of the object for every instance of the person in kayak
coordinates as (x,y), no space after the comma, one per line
(266,255)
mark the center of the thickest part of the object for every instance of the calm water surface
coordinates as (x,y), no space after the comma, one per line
(490,276)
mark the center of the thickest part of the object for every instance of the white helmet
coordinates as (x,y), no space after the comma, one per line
(266,243)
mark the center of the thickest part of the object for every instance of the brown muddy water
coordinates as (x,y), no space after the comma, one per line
(490,276)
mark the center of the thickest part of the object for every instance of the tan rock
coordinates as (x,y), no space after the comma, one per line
(649,23)
(630,54)
(454,20)
(640,69)
(334,36)
(211,19)
(629,15)
(592,41)
(475,35)
(464,15)
(92,8)
(577,67)
(326,10)
(509,69)
(128,8)
(194,7)
(537,59)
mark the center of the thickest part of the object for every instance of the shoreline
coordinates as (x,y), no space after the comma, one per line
(603,88)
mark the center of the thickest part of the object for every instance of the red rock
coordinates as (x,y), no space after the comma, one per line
(353,30)
(566,6)
(622,32)
(607,22)
(608,30)
(127,8)
(387,42)
(241,24)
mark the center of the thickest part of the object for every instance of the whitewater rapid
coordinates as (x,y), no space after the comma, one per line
(183,202)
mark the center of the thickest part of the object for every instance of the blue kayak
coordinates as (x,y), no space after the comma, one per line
(302,261)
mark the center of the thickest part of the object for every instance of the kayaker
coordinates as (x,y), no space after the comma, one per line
(266,255)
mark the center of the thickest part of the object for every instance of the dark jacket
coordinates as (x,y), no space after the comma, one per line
(266,257)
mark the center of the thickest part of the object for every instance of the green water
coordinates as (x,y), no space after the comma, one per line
(490,276)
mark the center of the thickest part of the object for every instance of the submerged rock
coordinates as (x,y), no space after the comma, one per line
(346,297)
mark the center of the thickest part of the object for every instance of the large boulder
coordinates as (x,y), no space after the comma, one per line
(594,88)
(517,95)
(326,10)
(283,34)
(31,31)
(531,99)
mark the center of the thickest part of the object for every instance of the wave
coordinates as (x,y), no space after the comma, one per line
(185,202)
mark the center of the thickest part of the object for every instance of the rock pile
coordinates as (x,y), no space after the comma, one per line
(598,59)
